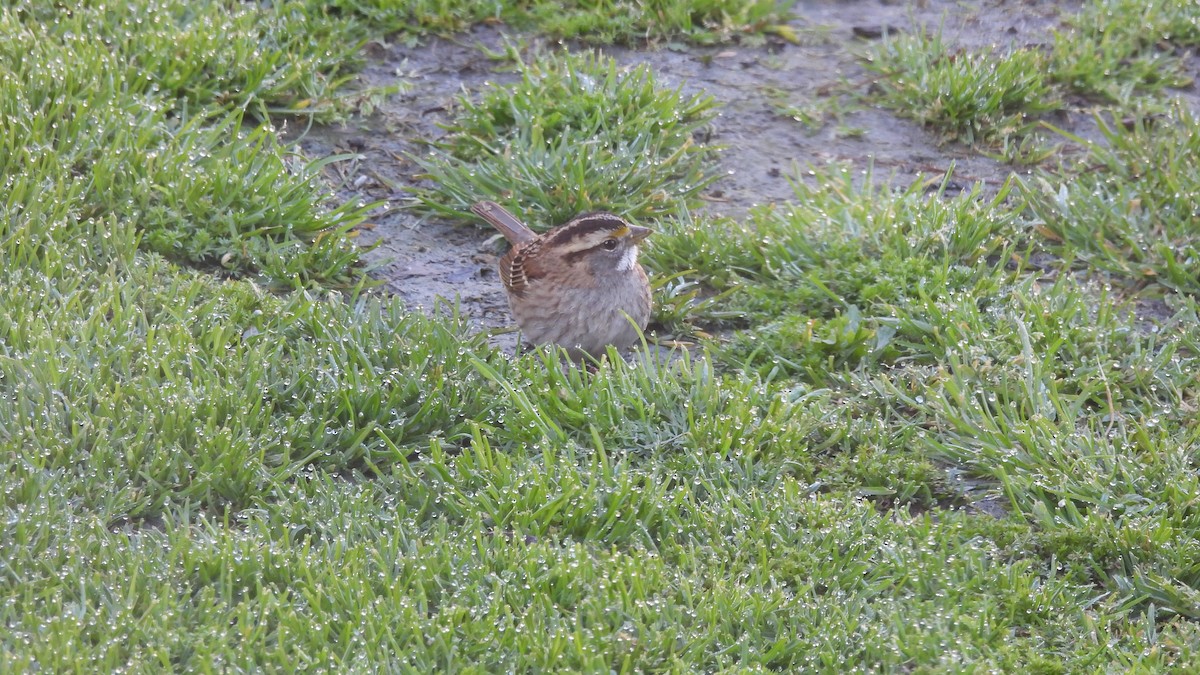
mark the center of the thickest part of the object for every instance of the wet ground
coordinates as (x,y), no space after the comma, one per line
(421,260)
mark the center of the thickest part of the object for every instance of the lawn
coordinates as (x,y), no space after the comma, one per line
(931,425)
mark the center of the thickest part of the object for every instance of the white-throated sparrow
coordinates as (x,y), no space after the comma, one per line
(579,285)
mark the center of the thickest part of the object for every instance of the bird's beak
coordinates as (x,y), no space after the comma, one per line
(639,233)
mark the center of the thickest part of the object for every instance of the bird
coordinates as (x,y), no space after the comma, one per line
(579,285)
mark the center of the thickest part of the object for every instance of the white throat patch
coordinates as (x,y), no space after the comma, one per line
(628,259)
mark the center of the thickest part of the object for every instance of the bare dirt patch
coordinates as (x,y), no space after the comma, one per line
(421,260)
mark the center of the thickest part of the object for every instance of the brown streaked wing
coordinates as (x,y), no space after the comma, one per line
(518,266)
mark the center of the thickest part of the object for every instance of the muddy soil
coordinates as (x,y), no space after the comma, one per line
(421,260)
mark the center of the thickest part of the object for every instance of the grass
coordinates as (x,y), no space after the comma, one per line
(703,21)
(204,472)
(176,152)
(978,97)
(1118,52)
(1131,209)
(823,277)
(1115,49)
(573,134)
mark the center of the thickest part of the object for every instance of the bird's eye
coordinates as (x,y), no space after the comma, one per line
(609,244)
